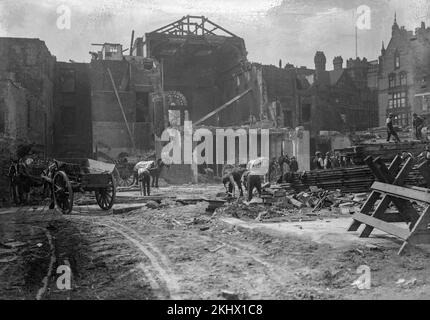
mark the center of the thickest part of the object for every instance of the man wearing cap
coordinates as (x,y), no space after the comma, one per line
(390,129)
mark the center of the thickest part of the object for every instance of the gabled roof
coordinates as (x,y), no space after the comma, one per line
(194,25)
(335,75)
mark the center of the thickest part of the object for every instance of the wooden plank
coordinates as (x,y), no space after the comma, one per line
(399,232)
(401,192)
(405,208)
(395,164)
(403,173)
(367,207)
(420,233)
(380,209)
(225,105)
(121,108)
(382,173)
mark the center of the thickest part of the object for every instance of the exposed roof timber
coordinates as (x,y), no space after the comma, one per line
(168,25)
(225,105)
(183,27)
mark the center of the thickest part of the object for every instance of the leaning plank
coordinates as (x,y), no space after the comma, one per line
(378,214)
(399,232)
(401,192)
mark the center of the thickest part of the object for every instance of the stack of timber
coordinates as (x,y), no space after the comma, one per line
(387,151)
(273,194)
(349,180)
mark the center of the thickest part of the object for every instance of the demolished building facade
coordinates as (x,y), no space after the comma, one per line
(191,69)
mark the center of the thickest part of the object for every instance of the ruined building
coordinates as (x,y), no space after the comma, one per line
(204,66)
(191,69)
(343,99)
(26,84)
(26,100)
(112,100)
(404,75)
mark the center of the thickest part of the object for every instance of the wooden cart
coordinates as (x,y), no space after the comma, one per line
(81,175)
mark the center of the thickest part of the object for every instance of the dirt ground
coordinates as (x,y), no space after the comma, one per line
(180,251)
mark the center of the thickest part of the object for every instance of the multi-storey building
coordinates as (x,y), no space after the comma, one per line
(404,70)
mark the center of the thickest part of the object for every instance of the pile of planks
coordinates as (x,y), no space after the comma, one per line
(386,151)
(273,194)
(349,180)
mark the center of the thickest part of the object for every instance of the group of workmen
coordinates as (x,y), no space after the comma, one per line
(279,169)
(282,169)
(330,160)
(417,124)
(239,176)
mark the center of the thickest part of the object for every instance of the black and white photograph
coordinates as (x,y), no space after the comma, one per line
(214,155)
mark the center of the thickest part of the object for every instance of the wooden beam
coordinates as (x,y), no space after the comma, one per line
(225,105)
(131,43)
(402,192)
(387,227)
(168,25)
(122,109)
(219,27)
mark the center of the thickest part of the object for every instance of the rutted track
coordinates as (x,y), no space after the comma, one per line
(160,275)
(179,252)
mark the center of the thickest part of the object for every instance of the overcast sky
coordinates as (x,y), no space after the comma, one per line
(291,30)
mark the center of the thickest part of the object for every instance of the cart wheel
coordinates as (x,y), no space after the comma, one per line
(128,181)
(106,196)
(124,178)
(63,192)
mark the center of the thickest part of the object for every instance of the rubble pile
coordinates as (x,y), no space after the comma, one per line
(280,202)
(239,209)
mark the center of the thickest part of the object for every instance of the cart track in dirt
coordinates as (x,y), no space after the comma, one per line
(160,275)
(197,261)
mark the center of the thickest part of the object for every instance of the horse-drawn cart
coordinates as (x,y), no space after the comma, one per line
(81,175)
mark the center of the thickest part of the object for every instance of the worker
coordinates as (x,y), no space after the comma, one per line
(390,129)
(335,162)
(253,181)
(254,170)
(273,169)
(281,161)
(327,161)
(425,155)
(294,165)
(233,178)
(144,180)
(287,171)
(418,124)
(318,162)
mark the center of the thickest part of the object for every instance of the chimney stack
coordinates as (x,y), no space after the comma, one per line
(319,61)
(337,63)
